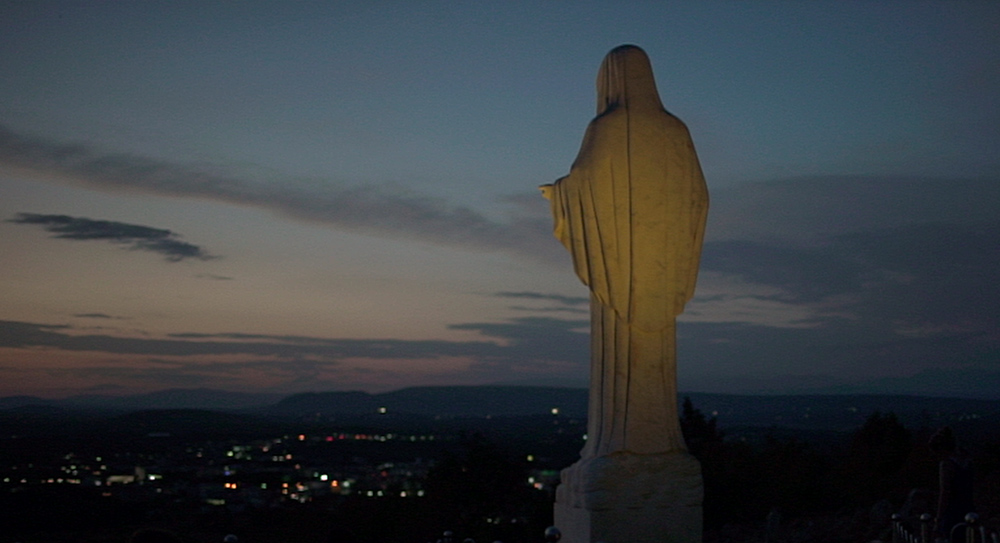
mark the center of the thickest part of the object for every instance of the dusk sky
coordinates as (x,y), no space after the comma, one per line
(310,196)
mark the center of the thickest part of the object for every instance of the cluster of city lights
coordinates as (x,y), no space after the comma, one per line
(368,437)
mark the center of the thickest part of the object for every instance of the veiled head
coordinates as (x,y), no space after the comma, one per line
(626,80)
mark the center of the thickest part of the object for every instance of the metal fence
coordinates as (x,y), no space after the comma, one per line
(904,530)
(918,530)
(552,535)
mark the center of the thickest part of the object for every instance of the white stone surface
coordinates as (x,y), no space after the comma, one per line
(632,213)
(631,498)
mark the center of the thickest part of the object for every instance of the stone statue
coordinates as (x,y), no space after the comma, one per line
(632,213)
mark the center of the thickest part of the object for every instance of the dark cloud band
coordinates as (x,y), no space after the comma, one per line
(563,300)
(519,334)
(376,209)
(134,236)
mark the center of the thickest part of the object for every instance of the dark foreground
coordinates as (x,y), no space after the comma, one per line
(100,477)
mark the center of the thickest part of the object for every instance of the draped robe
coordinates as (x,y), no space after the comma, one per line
(632,213)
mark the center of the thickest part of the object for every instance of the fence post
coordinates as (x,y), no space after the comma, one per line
(925,528)
(971,520)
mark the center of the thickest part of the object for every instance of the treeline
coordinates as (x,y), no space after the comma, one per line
(774,478)
(882,467)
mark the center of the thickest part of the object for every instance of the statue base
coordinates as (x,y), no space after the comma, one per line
(631,498)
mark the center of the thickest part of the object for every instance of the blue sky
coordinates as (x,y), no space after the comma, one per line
(326,196)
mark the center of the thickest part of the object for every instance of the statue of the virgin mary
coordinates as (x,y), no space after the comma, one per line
(632,214)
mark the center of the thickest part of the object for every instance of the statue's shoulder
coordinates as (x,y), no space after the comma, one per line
(612,114)
(620,118)
(606,126)
(673,121)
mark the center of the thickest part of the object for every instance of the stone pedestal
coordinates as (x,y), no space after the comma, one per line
(631,498)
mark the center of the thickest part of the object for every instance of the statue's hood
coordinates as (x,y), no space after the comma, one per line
(626,80)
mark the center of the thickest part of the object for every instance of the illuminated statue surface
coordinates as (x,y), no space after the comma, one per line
(632,214)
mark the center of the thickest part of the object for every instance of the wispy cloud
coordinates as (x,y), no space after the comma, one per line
(550,348)
(377,209)
(214,277)
(520,337)
(527,295)
(800,209)
(537,339)
(577,310)
(98,316)
(923,276)
(562,304)
(143,238)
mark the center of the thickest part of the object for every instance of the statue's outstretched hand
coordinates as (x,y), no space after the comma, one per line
(546,191)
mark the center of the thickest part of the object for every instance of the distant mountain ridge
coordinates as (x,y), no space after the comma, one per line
(827,412)
(442,400)
(469,401)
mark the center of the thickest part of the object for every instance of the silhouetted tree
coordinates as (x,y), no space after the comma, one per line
(792,477)
(481,491)
(724,467)
(876,453)
(743,482)
(699,432)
